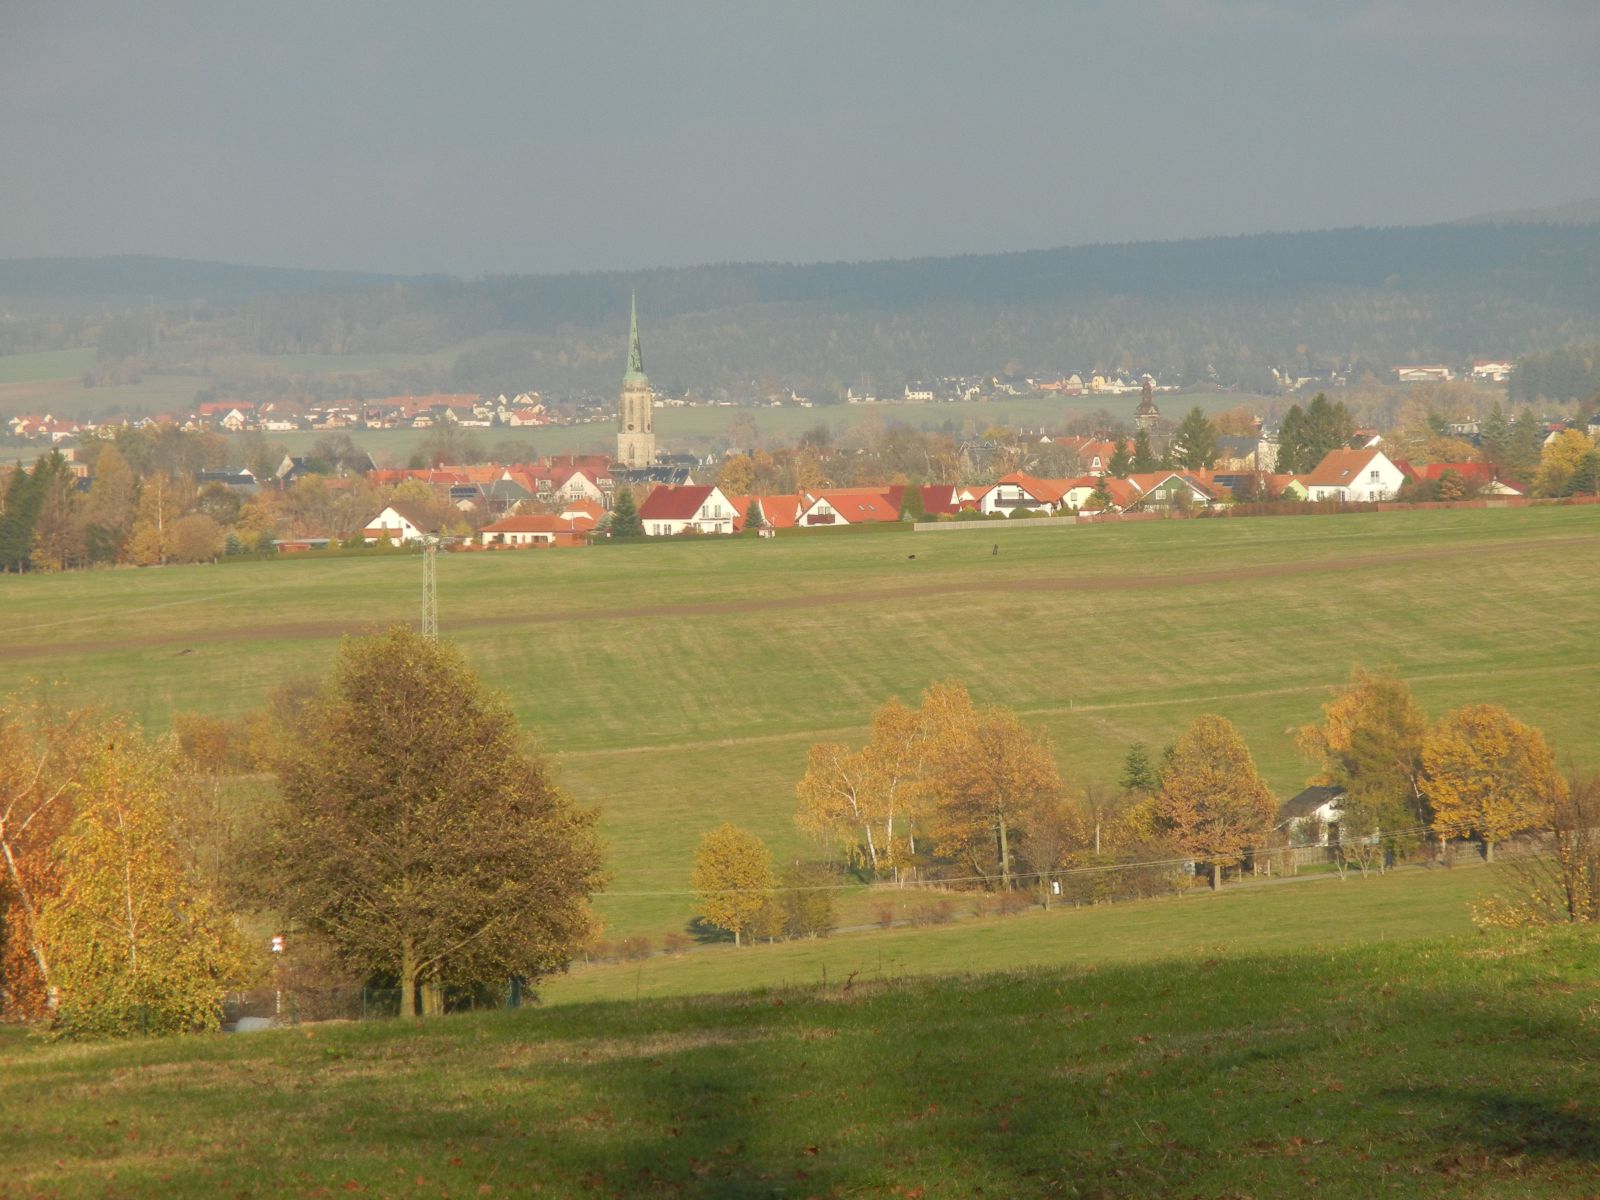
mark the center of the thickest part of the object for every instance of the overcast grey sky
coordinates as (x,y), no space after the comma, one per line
(472,137)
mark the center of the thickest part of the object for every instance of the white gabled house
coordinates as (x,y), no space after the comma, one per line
(1357,476)
(400,524)
(668,511)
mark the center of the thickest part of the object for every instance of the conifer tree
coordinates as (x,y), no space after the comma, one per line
(625,522)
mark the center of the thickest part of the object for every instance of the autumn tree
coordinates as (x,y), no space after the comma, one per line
(134,945)
(1369,744)
(868,802)
(418,836)
(1211,799)
(987,776)
(111,506)
(1559,462)
(733,875)
(1562,887)
(837,802)
(195,538)
(162,501)
(1487,773)
(42,750)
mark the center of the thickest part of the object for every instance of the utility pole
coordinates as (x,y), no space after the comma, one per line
(430,588)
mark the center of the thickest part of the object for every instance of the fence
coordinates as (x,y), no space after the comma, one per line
(261,1007)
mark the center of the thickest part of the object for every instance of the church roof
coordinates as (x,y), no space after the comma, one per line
(635,355)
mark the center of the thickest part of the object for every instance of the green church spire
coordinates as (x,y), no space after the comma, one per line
(635,356)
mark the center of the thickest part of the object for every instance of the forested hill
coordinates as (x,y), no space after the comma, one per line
(72,284)
(1217,308)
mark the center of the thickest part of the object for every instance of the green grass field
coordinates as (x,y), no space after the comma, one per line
(679,685)
(1459,1068)
(45,364)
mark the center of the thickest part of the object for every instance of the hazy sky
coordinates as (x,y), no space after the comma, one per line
(521,137)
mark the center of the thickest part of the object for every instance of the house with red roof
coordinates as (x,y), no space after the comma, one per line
(536,530)
(400,523)
(850,506)
(668,511)
(1479,476)
(1356,476)
(1021,490)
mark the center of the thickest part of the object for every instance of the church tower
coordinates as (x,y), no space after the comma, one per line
(636,430)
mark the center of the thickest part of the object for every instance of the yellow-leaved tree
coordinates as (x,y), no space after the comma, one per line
(134,945)
(733,874)
(989,776)
(1212,800)
(1487,773)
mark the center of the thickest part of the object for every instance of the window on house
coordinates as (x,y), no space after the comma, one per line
(1372,476)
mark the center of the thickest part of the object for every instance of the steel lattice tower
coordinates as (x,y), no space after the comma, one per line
(430,589)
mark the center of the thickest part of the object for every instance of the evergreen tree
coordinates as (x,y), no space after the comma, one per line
(911,506)
(1525,444)
(625,522)
(24,496)
(1329,427)
(1144,458)
(1195,446)
(1292,442)
(1139,774)
(752,515)
(1121,464)
(1494,436)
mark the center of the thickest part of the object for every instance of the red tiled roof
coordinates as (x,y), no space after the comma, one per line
(1340,467)
(674,503)
(532,524)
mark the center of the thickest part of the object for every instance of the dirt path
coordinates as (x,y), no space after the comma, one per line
(300,630)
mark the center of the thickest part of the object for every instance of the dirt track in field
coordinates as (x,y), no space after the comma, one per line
(315,630)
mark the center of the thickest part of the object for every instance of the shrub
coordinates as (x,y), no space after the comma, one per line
(1009,904)
(883,912)
(634,948)
(676,943)
(940,911)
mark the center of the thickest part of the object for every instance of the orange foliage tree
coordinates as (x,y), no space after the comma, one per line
(1211,799)
(1488,773)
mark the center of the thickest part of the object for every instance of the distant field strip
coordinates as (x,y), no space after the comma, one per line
(804,600)
(824,733)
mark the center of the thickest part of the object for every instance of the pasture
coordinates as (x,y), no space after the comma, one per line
(679,685)
(1449,1068)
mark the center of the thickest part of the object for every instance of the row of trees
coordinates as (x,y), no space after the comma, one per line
(411,842)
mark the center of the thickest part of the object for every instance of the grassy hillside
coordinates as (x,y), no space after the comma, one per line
(679,685)
(1447,1068)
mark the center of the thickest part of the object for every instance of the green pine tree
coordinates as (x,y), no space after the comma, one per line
(625,522)
(1144,458)
(1121,464)
(1195,446)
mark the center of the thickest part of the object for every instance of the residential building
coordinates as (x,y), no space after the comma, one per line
(1355,475)
(668,511)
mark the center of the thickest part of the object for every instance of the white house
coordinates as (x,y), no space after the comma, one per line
(1355,475)
(399,523)
(672,510)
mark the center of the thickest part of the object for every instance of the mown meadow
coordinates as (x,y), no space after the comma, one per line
(679,685)
(1447,1068)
